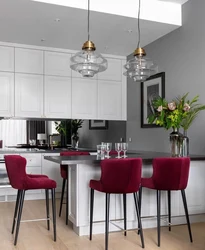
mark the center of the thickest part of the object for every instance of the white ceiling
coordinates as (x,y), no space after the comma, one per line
(28,22)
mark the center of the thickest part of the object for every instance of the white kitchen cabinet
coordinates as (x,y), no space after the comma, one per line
(109,100)
(6,94)
(57,64)
(28,61)
(57,97)
(7,58)
(28,95)
(113,72)
(84,98)
(52,170)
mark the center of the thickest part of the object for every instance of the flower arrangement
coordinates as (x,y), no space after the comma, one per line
(178,113)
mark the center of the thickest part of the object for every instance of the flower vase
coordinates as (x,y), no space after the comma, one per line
(175,145)
(184,145)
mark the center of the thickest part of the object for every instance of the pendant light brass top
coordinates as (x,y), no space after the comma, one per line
(139,52)
(89,45)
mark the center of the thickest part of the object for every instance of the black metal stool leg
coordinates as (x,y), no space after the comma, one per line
(186,213)
(67,189)
(21,201)
(91,211)
(139,218)
(140,204)
(169,208)
(54,211)
(107,208)
(158,215)
(125,213)
(15,211)
(47,209)
(62,196)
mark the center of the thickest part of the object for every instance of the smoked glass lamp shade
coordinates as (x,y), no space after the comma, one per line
(140,68)
(88,63)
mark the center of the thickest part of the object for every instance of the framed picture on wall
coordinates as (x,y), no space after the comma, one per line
(152,88)
(98,124)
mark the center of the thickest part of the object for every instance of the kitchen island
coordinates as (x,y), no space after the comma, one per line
(84,168)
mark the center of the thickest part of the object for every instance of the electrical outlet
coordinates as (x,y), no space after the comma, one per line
(121,139)
(130,139)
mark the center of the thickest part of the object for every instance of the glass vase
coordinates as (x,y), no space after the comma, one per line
(175,142)
(184,145)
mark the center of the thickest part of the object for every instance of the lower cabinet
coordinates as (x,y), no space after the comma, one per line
(52,170)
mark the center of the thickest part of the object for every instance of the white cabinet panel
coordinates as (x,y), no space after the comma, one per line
(57,64)
(7,58)
(52,170)
(113,72)
(84,98)
(6,94)
(29,95)
(109,100)
(57,98)
(28,61)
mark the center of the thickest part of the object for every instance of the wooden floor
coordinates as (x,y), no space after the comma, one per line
(35,236)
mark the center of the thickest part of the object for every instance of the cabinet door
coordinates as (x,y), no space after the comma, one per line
(7,58)
(57,101)
(28,61)
(109,100)
(84,98)
(29,95)
(52,170)
(6,94)
(113,72)
(57,64)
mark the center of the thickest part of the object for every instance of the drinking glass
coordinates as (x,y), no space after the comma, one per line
(124,148)
(118,148)
(108,147)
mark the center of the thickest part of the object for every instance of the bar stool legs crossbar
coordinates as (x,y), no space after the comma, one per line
(19,208)
(107,211)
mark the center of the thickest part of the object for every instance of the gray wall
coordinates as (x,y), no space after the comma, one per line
(181,54)
(90,138)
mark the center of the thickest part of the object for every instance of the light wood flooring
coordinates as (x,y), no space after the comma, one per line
(35,236)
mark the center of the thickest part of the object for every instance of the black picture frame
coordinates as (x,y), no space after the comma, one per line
(153,87)
(98,124)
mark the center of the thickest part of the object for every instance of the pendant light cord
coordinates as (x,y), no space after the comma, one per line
(138,24)
(88,20)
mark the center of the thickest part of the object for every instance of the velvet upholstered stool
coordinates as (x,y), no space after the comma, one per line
(169,174)
(64,175)
(118,176)
(16,170)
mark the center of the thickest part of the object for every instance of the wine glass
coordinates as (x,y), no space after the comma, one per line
(108,148)
(118,148)
(124,148)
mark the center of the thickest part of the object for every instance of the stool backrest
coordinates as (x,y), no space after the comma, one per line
(171,173)
(121,175)
(16,170)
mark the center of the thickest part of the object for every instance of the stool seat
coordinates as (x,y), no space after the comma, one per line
(38,183)
(148,183)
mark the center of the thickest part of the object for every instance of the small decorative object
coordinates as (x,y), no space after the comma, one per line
(178,113)
(75,125)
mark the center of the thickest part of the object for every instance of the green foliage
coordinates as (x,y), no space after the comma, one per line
(178,113)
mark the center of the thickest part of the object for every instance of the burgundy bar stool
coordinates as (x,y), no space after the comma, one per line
(118,176)
(16,170)
(64,175)
(169,174)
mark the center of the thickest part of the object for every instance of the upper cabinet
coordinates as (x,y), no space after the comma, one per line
(7,59)
(6,94)
(28,61)
(57,64)
(29,95)
(113,72)
(84,98)
(57,97)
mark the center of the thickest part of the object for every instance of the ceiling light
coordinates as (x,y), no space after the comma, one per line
(87,62)
(140,68)
(57,20)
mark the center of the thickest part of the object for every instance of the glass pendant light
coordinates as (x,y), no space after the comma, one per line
(87,62)
(140,68)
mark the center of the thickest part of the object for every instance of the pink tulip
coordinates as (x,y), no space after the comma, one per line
(171,106)
(159,109)
(186,107)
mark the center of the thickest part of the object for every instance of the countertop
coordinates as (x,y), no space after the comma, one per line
(93,159)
